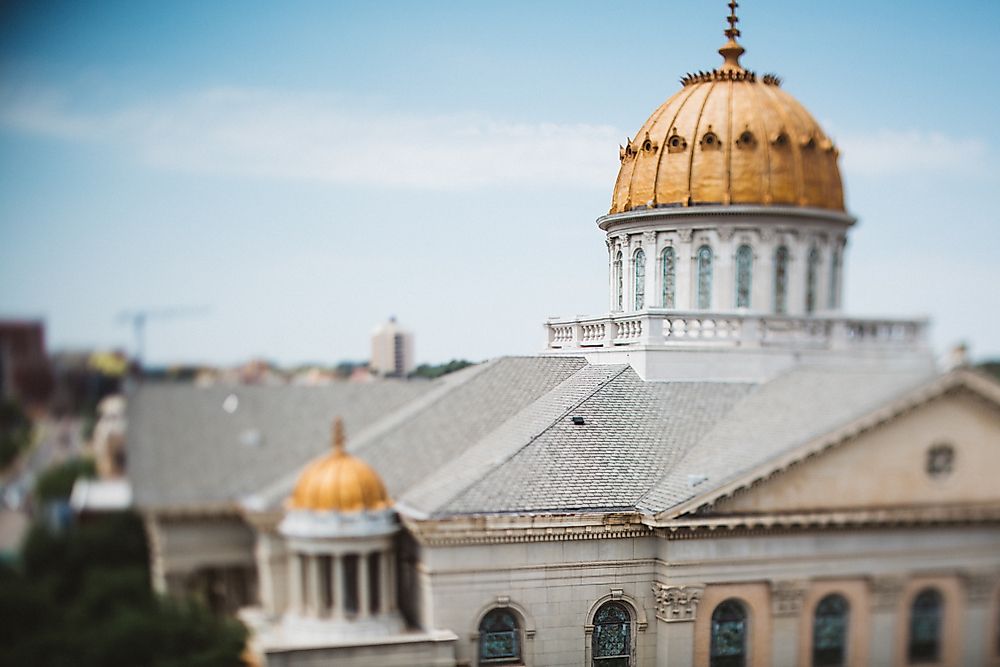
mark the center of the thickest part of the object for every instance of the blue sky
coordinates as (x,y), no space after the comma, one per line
(307,169)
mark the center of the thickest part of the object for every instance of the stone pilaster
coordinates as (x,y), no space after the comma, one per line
(886,592)
(980,590)
(676,608)
(787,598)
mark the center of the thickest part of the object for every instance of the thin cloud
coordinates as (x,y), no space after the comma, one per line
(291,136)
(888,151)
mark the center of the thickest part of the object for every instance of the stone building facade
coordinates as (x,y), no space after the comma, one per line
(722,470)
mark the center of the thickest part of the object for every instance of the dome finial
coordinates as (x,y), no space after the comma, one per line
(339,439)
(732,50)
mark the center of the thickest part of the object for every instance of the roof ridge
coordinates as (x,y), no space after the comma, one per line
(474,464)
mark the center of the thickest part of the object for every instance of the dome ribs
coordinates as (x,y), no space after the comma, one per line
(696,144)
(670,183)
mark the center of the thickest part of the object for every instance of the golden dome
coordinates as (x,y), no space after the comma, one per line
(728,137)
(339,482)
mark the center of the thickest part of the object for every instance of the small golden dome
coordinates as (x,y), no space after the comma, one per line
(728,137)
(339,482)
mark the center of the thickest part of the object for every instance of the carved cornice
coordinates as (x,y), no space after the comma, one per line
(886,592)
(676,604)
(787,597)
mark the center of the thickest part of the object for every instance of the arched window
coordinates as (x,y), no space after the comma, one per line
(830,632)
(499,638)
(704,277)
(781,280)
(744,274)
(668,278)
(925,627)
(640,279)
(612,640)
(618,280)
(729,635)
(834,292)
(811,270)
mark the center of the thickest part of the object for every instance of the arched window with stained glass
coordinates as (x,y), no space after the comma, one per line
(925,627)
(704,277)
(830,624)
(667,267)
(500,638)
(640,279)
(744,275)
(812,269)
(833,298)
(617,268)
(729,635)
(781,280)
(612,640)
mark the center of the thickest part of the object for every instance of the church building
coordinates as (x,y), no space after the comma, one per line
(722,470)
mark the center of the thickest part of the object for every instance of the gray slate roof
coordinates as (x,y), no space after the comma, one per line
(184,449)
(499,437)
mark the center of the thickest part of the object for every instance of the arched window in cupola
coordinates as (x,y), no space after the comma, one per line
(640,279)
(812,269)
(618,280)
(669,277)
(781,280)
(834,293)
(744,273)
(704,277)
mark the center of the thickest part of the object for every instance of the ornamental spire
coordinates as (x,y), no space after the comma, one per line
(732,50)
(338,437)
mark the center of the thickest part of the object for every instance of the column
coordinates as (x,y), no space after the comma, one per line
(676,607)
(724,285)
(885,595)
(339,611)
(391,586)
(385,605)
(979,641)
(364,592)
(628,276)
(786,620)
(798,253)
(612,304)
(684,290)
(295,601)
(313,593)
(649,246)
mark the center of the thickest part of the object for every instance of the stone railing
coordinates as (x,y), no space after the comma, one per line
(672,328)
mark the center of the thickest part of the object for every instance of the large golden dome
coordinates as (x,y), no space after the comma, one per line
(729,137)
(339,482)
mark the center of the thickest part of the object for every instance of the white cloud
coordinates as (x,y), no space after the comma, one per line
(889,151)
(295,136)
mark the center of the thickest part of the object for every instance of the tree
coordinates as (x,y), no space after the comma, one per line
(15,432)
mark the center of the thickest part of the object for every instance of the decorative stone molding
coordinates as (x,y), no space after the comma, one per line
(649,239)
(676,603)
(726,234)
(886,592)
(685,234)
(787,597)
(980,585)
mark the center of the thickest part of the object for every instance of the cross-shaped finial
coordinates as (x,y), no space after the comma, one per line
(338,437)
(733,32)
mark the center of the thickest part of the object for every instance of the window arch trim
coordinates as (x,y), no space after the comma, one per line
(526,627)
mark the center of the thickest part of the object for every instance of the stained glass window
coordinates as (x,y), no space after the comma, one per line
(781,280)
(618,280)
(668,278)
(640,279)
(925,627)
(612,644)
(729,635)
(499,638)
(811,270)
(834,278)
(744,273)
(704,277)
(830,632)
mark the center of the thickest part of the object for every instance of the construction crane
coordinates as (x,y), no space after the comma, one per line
(138,318)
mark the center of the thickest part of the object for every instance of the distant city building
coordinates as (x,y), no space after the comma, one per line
(25,373)
(392,350)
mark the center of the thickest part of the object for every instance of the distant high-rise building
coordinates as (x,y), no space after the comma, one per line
(392,350)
